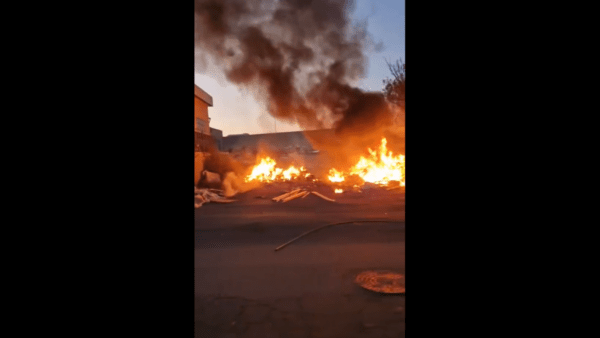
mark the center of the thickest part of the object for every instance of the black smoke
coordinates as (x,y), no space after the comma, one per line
(300,57)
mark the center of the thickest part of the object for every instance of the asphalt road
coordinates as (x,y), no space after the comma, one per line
(244,288)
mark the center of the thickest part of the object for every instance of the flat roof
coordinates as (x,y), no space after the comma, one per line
(202,95)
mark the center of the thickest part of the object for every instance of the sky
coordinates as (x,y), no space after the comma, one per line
(235,111)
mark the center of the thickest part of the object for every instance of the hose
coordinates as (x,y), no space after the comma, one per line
(331,224)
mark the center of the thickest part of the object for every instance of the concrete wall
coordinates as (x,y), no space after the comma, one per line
(217,137)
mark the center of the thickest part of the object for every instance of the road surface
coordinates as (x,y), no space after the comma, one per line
(243,288)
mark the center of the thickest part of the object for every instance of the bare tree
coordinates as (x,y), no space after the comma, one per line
(393,88)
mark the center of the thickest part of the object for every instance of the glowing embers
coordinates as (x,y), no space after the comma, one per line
(380,167)
(266,171)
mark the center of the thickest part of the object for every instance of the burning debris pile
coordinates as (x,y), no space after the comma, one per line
(381,168)
(266,171)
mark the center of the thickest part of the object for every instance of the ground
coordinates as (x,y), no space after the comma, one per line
(244,288)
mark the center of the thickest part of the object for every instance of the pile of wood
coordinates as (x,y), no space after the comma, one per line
(209,195)
(298,193)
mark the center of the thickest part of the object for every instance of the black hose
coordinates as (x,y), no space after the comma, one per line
(328,225)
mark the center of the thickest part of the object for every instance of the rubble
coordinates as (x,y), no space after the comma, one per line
(202,196)
(294,196)
(323,197)
(210,179)
(299,193)
(369,185)
(281,197)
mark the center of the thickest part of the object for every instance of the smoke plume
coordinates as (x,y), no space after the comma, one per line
(300,58)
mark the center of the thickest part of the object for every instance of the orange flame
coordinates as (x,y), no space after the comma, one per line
(266,171)
(379,168)
(291,172)
(335,176)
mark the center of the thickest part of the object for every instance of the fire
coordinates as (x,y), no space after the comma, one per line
(266,171)
(339,191)
(379,168)
(336,176)
(288,174)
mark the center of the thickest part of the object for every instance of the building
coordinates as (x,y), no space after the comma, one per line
(202,136)
(202,122)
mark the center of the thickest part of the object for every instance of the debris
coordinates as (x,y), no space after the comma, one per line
(202,196)
(216,191)
(323,197)
(231,184)
(294,196)
(198,201)
(280,197)
(327,225)
(221,200)
(297,193)
(369,185)
(210,179)
(381,281)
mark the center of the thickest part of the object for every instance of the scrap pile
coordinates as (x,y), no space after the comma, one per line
(298,193)
(209,195)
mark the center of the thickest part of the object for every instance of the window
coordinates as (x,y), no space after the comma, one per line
(200,125)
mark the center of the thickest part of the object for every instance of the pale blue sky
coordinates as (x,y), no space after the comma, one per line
(236,112)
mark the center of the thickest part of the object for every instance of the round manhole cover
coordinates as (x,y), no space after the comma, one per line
(381,281)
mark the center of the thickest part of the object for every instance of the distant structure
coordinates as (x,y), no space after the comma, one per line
(296,141)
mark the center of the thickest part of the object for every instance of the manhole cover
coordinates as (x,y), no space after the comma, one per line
(381,281)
